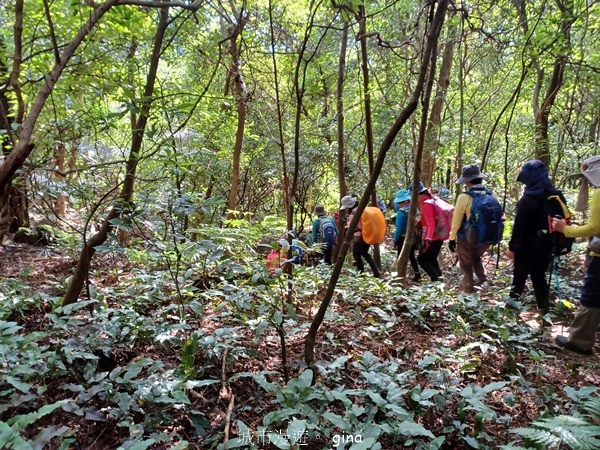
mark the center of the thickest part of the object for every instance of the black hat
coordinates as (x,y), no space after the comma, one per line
(469,173)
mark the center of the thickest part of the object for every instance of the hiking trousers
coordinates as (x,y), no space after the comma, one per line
(428,260)
(531,264)
(469,259)
(582,332)
(360,250)
(327,254)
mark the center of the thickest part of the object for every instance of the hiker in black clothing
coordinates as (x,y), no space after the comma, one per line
(528,246)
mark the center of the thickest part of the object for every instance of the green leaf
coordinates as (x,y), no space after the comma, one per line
(366,444)
(305,379)
(296,430)
(180,396)
(338,421)
(137,445)
(276,417)
(279,440)
(409,428)
(19,423)
(23,387)
(7,434)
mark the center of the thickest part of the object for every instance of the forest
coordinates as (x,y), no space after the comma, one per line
(155,151)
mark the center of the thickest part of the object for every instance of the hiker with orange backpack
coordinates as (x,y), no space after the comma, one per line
(436,229)
(360,249)
(530,245)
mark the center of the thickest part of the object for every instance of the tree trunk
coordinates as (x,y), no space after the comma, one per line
(362,30)
(126,194)
(341,156)
(432,33)
(435,118)
(24,147)
(402,261)
(241,98)
(60,153)
(542,109)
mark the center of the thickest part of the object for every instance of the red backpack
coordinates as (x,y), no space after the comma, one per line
(273,260)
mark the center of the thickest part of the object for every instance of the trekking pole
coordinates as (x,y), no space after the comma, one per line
(560,304)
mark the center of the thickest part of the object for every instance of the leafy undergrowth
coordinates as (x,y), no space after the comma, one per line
(184,350)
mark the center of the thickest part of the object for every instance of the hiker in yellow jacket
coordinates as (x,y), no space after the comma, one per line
(582,332)
(469,255)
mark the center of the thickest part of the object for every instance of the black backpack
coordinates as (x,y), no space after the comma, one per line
(555,207)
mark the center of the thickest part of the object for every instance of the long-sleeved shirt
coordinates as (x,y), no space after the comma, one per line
(592,227)
(462,210)
(401,222)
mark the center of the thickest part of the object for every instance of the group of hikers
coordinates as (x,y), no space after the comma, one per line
(541,231)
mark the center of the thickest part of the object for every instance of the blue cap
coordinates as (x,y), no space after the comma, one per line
(402,196)
(422,187)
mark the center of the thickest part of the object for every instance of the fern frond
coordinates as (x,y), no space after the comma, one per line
(592,405)
(540,437)
(574,432)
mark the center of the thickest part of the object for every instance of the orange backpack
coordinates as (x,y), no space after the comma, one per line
(373,225)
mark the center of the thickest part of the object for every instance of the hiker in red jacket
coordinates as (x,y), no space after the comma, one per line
(431,244)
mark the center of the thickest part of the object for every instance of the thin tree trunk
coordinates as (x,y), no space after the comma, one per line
(341,156)
(126,194)
(60,153)
(402,262)
(433,33)
(435,117)
(362,30)
(241,98)
(542,109)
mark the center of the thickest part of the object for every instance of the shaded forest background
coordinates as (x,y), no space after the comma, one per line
(149,147)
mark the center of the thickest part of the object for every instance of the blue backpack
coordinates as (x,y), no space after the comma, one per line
(486,222)
(297,254)
(327,231)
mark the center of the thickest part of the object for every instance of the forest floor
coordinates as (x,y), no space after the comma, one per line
(45,269)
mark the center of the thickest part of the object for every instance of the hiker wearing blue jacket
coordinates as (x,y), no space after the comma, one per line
(531,249)
(402,205)
(324,232)
(469,254)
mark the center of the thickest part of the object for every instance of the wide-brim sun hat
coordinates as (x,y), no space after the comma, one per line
(402,196)
(422,187)
(348,202)
(319,210)
(469,173)
(591,170)
(590,175)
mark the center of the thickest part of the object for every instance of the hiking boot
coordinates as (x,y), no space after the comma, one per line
(563,341)
(416,277)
